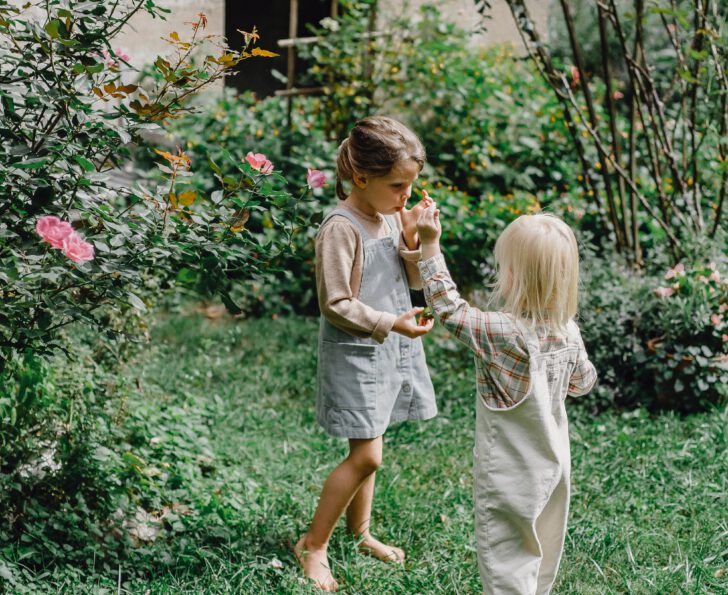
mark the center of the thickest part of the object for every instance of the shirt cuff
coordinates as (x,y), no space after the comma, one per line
(432,266)
(384,327)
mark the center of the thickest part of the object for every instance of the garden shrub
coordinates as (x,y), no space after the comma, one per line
(657,338)
(70,108)
(240,120)
(77,250)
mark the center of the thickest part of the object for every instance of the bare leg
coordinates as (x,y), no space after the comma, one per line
(358,519)
(364,458)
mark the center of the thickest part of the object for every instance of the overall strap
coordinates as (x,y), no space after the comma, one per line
(350,217)
(529,336)
(393,228)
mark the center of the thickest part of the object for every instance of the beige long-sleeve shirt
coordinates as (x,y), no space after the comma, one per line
(339,268)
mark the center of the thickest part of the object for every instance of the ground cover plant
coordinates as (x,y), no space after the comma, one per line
(223,461)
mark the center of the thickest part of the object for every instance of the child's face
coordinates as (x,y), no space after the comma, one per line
(388,194)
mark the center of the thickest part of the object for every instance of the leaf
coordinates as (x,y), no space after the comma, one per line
(187,197)
(52,28)
(263,53)
(84,163)
(32,163)
(136,302)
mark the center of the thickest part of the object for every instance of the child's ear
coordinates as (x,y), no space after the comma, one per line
(360,181)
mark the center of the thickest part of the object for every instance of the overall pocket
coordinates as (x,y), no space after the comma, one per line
(348,375)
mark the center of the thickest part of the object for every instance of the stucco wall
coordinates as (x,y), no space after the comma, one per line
(142,38)
(500,28)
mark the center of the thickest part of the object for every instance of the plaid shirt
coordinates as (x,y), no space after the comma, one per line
(501,354)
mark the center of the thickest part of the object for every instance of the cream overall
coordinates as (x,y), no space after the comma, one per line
(521,471)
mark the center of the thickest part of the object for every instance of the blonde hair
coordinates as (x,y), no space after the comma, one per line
(373,147)
(538,270)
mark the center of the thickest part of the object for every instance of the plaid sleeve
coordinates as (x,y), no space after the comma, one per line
(468,324)
(584,375)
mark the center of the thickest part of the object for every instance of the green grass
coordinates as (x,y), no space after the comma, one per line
(649,492)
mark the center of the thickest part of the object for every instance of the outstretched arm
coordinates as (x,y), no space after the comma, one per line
(468,324)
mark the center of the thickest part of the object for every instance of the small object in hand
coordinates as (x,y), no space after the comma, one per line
(427,314)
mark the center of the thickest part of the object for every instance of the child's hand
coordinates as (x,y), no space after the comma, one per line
(410,217)
(406,324)
(428,225)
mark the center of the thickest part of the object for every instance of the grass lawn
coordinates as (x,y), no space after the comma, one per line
(649,511)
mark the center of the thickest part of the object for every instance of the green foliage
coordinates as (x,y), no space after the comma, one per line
(68,114)
(485,118)
(241,121)
(689,352)
(657,339)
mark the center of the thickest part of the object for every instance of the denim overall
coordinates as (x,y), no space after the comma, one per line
(522,467)
(364,386)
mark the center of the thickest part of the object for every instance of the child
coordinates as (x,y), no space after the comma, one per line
(528,357)
(368,376)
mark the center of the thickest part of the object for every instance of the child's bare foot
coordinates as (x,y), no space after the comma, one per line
(386,553)
(315,566)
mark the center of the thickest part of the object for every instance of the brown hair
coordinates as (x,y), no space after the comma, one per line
(373,147)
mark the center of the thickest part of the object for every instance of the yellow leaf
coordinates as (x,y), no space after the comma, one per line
(187,197)
(173,199)
(174,35)
(98,91)
(127,88)
(109,87)
(167,156)
(263,53)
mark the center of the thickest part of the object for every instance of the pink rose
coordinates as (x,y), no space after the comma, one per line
(664,291)
(259,162)
(77,249)
(110,62)
(53,230)
(715,276)
(122,54)
(618,95)
(678,270)
(716,319)
(722,308)
(315,178)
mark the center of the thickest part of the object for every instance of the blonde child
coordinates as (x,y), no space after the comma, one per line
(371,365)
(528,357)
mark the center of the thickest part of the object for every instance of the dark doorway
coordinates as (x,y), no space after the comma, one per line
(271,19)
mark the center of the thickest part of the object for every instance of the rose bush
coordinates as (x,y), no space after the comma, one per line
(70,112)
